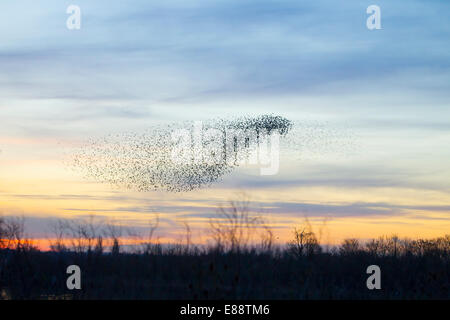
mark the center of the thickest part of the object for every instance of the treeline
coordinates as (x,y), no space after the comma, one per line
(241,262)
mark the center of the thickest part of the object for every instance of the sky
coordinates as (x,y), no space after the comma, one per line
(136,64)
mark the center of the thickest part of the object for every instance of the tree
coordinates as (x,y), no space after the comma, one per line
(235,226)
(304,242)
(349,246)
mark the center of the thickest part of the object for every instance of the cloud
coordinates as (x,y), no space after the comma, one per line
(213,50)
(351,175)
(294,209)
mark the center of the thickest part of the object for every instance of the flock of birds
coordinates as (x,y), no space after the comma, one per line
(178,157)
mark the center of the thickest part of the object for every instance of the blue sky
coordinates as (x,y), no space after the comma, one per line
(141,58)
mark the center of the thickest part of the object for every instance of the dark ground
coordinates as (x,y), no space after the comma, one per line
(420,272)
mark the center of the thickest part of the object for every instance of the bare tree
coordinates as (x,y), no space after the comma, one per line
(58,230)
(149,246)
(267,239)
(234,226)
(98,250)
(14,232)
(304,242)
(114,233)
(83,233)
(350,246)
(373,246)
(188,236)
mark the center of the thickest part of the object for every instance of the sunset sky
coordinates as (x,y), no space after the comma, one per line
(135,64)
